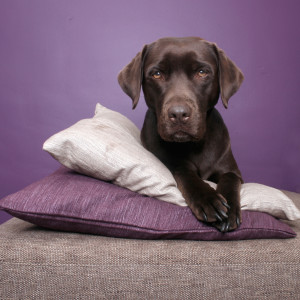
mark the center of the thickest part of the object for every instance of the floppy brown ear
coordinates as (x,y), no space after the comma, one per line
(130,77)
(230,76)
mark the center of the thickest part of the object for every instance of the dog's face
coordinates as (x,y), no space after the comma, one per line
(180,83)
(181,79)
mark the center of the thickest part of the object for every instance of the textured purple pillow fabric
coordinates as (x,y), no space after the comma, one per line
(68,201)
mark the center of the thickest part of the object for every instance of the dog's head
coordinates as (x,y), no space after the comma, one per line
(182,79)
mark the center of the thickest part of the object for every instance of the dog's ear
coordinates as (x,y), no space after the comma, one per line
(130,77)
(230,76)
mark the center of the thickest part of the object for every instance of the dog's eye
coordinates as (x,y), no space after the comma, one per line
(157,75)
(201,73)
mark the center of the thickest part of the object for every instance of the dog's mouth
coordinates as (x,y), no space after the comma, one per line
(179,137)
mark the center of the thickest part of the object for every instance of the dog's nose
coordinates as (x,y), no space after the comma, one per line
(179,113)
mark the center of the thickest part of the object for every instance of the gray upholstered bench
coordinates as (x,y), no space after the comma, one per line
(37,263)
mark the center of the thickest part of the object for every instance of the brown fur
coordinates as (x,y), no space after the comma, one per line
(182,79)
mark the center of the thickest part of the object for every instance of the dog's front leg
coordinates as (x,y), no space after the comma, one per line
(206,203)
(229,186)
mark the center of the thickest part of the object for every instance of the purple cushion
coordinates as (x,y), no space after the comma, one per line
(68,201)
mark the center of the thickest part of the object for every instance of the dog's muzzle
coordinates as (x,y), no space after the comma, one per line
(179,123)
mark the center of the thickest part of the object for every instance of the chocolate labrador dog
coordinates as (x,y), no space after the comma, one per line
(182,79)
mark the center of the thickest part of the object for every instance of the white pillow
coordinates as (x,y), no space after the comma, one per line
(108,147)
(259,197)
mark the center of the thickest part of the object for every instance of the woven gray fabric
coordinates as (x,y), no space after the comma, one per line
(43,264)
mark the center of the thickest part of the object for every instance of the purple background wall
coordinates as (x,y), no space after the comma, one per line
(59,58)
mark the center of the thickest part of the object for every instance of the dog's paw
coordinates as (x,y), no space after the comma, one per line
(233,221)
(212,207)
